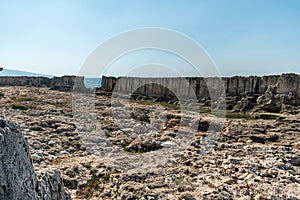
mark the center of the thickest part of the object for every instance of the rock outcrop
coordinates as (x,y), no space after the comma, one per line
(64,83)
(25,81)
(18,179)
(271,93)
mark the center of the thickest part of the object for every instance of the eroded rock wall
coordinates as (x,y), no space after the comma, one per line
(64,83)
(25,81)
(236,86)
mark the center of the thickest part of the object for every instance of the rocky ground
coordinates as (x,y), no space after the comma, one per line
(146,150)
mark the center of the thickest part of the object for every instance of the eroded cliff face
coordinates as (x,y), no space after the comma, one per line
(64,83)
(234,86)
(241,86)
(18,179)
(244,91)
(25,81)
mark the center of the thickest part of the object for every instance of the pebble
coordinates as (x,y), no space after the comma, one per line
(250,176)
(51,143)
(36,158)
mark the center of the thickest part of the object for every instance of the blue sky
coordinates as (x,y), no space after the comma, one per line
(242,37)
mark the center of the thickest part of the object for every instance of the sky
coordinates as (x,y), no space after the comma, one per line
(242,37)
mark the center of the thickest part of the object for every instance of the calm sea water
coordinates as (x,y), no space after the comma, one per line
(92,82)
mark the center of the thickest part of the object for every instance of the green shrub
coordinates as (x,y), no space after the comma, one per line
(231,115)
(24,99)
(93,185)
(201,110)
(18,106)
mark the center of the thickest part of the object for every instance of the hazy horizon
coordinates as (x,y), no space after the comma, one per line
(27,73)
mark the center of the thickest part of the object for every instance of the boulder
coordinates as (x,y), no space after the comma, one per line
(143,146)
(245,104)
(18,179)
(269,101)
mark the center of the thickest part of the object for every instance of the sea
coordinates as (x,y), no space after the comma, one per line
(92,82)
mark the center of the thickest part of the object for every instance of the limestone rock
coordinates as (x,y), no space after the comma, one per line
(275,90)
(234,86)
(187,196)
(64,83)
(18,179)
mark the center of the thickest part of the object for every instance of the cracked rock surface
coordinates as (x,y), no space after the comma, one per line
(255,157)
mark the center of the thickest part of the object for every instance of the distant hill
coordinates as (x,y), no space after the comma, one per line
(11,72)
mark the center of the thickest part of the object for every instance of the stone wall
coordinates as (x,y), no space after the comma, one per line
(64,83)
